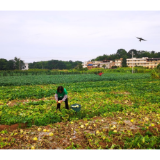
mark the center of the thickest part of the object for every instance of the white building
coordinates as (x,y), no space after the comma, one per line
(101,64)
(106,64)
(96,63)
(25,67)
(144,61)
(84,64)
(118,62)
(136,62)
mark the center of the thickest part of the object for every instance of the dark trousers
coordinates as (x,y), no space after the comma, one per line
(66,104)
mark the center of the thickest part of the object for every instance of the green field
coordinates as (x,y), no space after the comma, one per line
(71,78)
(119,111)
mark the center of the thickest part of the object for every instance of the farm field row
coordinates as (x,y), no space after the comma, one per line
(122,113)
(37,103)
(54,79)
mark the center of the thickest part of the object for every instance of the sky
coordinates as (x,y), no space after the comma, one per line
(41,35)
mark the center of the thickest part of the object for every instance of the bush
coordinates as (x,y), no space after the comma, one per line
(4,73)
(155,74)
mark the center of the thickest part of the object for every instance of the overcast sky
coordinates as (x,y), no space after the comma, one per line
(76,35)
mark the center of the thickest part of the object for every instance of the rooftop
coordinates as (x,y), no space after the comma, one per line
(90,65)
(153,58)
(106,60)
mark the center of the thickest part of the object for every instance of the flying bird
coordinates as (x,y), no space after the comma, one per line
(141,39)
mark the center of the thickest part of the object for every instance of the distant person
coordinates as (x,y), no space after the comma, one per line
(100,73)
(60,96)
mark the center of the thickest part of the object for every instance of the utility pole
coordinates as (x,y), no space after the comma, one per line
(42,64)
(132,62)
(19,63)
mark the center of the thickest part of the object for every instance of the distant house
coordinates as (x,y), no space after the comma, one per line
(84,64)
(105,63)
(118,62)
(25,66)
(90,66)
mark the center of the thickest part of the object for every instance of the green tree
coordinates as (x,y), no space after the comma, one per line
(18,63)
(3,64)
(10,65)
(79,66)
(69,66)
(158,66)
(124,64)
(121,53)
(104,66)
(135,53)
(54,64)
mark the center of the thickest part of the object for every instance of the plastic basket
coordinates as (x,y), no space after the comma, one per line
(76,107)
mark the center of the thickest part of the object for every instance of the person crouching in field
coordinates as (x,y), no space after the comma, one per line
(60,96)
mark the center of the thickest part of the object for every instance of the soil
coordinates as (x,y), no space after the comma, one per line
(71,135)
(127,102)
(13,127)
(120,92)
(15,102)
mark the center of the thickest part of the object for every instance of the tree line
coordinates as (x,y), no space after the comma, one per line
(54,64)
(14,64)
(18,64)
